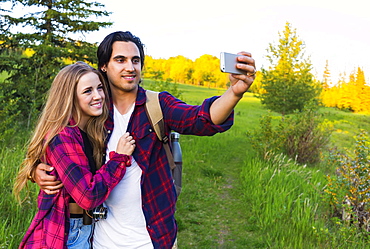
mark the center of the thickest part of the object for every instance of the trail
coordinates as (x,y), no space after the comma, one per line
(211,212)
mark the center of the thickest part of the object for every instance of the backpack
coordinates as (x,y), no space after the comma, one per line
(154,112)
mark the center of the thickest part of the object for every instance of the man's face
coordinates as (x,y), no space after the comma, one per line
(124,67)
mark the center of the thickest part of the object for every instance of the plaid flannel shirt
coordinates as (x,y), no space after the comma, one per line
(158,191)
(49,229)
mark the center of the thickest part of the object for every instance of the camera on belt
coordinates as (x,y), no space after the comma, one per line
(98,213)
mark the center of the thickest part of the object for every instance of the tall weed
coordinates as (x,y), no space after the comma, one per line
(284,198)
(15,219)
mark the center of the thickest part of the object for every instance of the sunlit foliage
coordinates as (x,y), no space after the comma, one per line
(352,94)
(349,189)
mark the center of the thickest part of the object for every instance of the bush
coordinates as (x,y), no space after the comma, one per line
(349,189)
(266,139)
(301,136)
(8,115)
(305,136)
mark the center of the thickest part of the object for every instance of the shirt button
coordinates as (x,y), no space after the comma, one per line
(149,226)
(109,131)
(150,130)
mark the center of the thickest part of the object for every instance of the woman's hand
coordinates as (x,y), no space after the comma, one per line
(126,144)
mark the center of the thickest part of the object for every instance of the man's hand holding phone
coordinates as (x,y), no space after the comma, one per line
(242,70)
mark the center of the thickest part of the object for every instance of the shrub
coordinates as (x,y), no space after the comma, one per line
(265,140)
(8,117)
(305,136)
(301,136)
(349,189)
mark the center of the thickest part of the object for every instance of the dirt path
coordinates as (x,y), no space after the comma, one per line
(211,212)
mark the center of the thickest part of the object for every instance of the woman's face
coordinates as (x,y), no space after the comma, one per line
(90,97)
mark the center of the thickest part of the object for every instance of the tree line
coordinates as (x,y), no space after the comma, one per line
(285,86)
(352,94)
(29,62)
(204,71)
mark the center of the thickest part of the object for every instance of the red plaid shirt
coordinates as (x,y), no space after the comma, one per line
(158,191)
(49,229)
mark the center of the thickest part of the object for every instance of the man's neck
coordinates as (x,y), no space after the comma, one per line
(124,100)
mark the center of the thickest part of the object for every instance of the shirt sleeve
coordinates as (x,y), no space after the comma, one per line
(191,119)
(66,155)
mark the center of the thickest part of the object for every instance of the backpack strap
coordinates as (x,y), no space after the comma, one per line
(154,112)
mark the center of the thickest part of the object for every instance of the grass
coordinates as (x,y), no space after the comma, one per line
(283,202)
(211,210)
(230,198)
(226,203)
(15,218)
(347,126)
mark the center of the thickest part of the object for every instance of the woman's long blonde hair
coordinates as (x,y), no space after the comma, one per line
(61,104)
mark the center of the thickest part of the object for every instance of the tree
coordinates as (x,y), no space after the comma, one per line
(49,47)
(326,82)
(327,97)
(288,83)
(153,68)
(207,72)
(181,68)
(354,94)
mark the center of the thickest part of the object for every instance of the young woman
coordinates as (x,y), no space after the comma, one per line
(69,137)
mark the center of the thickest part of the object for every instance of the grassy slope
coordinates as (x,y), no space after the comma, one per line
(211,211)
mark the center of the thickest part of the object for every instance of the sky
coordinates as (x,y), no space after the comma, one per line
(336,31)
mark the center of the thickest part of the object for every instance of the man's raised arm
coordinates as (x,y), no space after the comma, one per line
(240,83)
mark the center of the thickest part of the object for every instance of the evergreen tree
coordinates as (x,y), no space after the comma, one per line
(31,59)
(326,82)
(326,95)
(363,91)
(288,83)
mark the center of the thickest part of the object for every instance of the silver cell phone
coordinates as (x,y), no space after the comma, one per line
(228,63)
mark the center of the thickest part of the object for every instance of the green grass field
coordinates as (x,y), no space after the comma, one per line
(230,198)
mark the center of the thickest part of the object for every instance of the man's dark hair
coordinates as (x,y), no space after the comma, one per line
(105,48)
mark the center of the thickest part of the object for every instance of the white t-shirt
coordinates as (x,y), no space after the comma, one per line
(125,226)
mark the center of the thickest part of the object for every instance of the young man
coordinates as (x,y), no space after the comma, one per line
(141,207)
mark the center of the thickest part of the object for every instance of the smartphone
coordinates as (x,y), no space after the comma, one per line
(228,63)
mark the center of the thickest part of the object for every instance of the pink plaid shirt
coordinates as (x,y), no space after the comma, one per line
(49,229)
